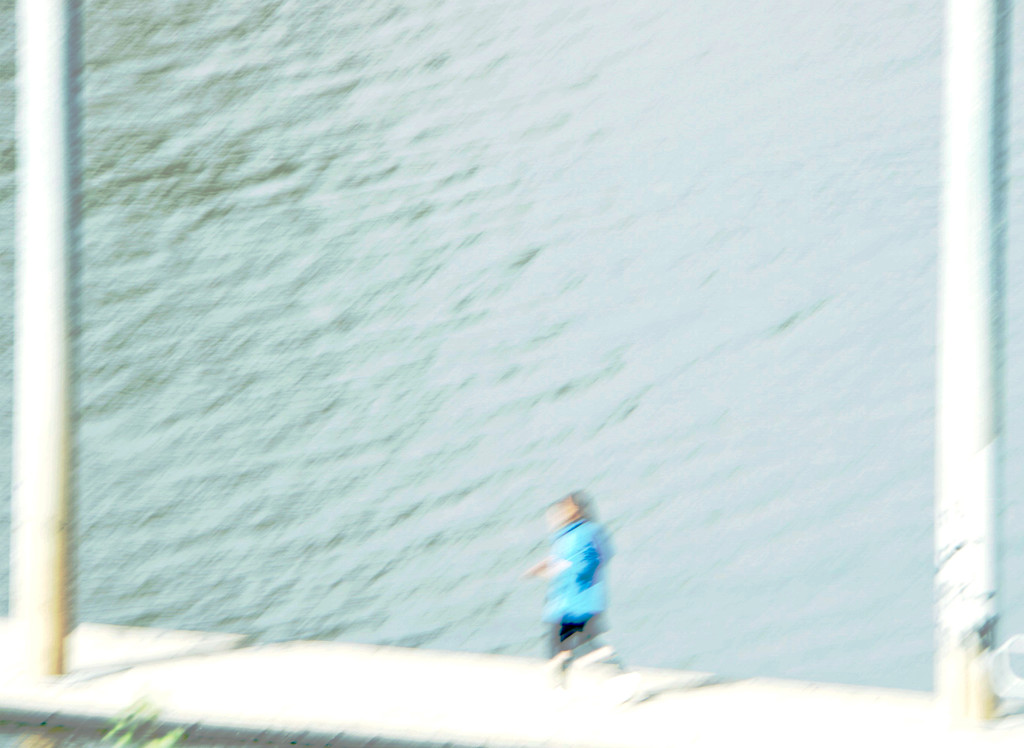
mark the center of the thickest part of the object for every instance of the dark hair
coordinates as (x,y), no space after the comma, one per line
(583,502)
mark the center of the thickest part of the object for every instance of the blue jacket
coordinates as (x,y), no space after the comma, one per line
(578,592)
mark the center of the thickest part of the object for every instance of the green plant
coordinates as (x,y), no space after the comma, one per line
(137,728)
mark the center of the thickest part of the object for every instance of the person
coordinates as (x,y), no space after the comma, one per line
(577,596)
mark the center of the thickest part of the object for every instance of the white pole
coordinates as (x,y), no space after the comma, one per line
(48,67)
(969,382)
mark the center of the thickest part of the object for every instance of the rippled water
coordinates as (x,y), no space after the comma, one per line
(366,285)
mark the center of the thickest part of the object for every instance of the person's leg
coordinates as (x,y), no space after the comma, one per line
(624,684)
(560,648)
(598,653)
(598,649)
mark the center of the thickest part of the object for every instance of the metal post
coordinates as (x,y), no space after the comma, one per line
(969,382)
(47,224)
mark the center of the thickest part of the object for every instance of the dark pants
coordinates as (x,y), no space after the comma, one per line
(568,635)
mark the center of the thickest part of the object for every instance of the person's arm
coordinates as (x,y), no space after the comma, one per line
(586,566)
(585,559)
(547,568)
(537,569)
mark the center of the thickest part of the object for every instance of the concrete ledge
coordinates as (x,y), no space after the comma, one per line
(95,648)
(325,693)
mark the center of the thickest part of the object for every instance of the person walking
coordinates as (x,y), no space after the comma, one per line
(577,595)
